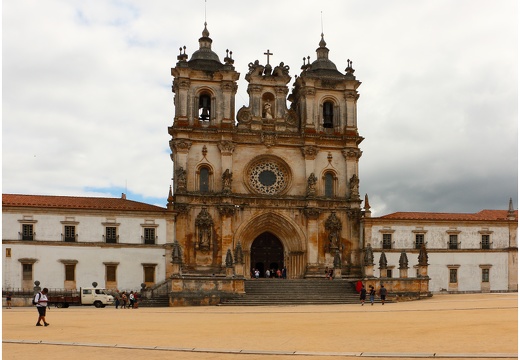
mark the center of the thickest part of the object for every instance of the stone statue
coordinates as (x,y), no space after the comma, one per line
(204,224)
(267,110)
(181,180)
(369,256)
(333,225)
(227,178)
(354,187)
(311,185)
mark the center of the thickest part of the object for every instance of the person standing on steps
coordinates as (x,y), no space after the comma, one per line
(362,295)
(372,294)
(41,305)
(382,294)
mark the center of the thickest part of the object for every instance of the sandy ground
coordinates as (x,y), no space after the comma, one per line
(449,326)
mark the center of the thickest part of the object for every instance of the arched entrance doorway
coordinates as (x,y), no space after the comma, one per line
(267,253)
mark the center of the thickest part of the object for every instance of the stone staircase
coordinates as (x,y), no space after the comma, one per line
(157,301)
(261,292)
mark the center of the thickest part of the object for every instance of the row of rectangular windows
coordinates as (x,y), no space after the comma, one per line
(453,242)
(110,270)
(453,275)
(70,234)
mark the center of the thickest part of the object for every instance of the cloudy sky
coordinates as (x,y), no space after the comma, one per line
(87,99)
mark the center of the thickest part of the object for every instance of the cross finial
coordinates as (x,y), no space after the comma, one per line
(268,53)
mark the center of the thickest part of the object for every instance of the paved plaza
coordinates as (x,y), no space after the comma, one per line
(472,326)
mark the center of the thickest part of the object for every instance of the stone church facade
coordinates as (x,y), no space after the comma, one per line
(268,186)
(281,181)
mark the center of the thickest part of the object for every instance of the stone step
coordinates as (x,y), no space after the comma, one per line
(261,292)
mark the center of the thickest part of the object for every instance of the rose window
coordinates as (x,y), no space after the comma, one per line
(268,177)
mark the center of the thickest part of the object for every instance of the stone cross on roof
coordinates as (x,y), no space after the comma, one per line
(268,53)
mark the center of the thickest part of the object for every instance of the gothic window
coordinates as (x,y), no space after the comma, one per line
(328,114)
(204,107)
(329,185)
(204,180)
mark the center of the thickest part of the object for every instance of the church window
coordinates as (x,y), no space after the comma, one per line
(204,180)
(204,106)
(329,185)
(328,114)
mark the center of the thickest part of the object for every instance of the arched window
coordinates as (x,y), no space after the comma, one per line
(328,114)
(204,180)
(329,185)
(204,106)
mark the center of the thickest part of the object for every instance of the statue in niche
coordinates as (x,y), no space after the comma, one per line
(181,180)
(354,187)
(204,226)
(311,185)
(333,226)
(227,178)
(267,110)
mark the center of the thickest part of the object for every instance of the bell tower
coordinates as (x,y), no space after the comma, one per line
(205,88)
(325,99)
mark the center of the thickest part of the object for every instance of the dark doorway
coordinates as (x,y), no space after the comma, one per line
(267,253)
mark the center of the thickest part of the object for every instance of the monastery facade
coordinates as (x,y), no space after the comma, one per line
(269,186)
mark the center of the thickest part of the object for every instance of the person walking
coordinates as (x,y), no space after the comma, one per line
(41,305)
(131,298)
(382,294)
(362,294)
(8,298)
(372,294)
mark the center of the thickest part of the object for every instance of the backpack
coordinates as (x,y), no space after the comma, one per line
(34,301)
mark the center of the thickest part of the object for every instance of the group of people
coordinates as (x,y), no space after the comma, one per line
(371,293)
(270,273)
(126,300)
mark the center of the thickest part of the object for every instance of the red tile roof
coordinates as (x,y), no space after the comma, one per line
(483,215)
(75,202)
